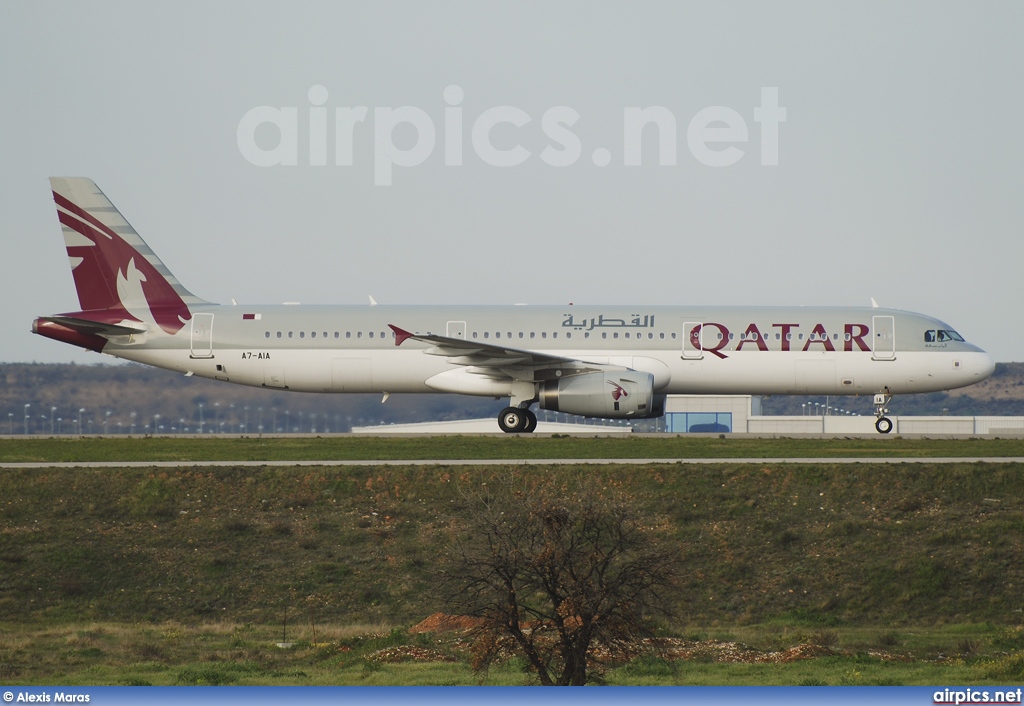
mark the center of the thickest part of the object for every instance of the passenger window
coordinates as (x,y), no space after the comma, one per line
(268,335)
(615,334)
(313,335)
(370,334)
(497,334)
(604,334)
(348,334)
(543,334)
(567,335)
(487,334)
(290,334)
(279,334)
(662,335)
(554,335)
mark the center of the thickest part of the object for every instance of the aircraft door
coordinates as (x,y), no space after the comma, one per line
(883,339)
(693,340)
(202,335)
(456,329)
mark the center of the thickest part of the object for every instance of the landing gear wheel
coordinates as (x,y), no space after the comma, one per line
(883,425)
(512,420)
(531,421)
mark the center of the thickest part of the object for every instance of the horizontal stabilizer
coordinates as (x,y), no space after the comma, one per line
(96,327)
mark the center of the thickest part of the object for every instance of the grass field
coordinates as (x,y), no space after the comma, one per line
(895,574)
(231,654)
(69,449)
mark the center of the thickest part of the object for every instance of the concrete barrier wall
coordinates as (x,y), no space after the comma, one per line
(1007,426)
(934,425)
(783,425)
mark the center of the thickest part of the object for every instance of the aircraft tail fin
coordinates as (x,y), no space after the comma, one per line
(114,270)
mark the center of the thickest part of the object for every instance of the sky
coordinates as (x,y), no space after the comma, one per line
(514,152)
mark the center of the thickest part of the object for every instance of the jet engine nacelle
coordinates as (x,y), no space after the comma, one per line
(619,395)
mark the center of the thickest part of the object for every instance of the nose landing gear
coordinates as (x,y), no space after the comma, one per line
(882,423)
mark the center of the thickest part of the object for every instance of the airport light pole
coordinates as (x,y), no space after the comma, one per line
(26,417)
(200,417)
(80,410)
(52,410)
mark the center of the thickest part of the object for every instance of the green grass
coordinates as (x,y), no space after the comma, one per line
(15,449)
(184,576)
(87,654)
(809,546)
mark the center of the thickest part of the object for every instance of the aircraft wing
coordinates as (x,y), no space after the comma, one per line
(491,359)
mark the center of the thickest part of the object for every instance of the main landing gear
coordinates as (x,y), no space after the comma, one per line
(882,423)
(517,420)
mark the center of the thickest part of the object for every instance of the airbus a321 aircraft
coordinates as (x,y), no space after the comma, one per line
(615,362)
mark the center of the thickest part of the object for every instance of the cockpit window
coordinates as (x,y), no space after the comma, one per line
(942,336)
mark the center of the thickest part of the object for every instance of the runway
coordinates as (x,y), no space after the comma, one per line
(820,460)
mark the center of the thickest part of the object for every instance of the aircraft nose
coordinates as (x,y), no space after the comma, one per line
(983,365)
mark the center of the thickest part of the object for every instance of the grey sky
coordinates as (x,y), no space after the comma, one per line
(901,160)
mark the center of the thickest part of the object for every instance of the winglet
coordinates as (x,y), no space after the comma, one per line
(401,335)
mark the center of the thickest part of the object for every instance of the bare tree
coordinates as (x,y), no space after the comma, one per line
(555,570)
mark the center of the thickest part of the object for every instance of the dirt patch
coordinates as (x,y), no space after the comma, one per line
(442,622)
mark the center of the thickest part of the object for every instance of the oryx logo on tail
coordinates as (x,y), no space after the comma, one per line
(115,271)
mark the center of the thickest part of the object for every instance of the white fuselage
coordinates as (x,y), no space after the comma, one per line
(709,350)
